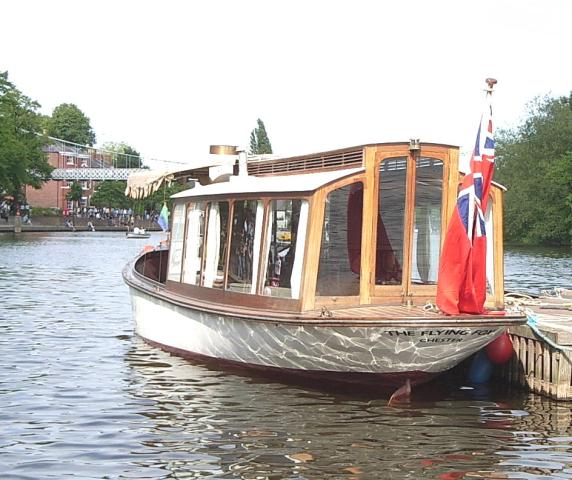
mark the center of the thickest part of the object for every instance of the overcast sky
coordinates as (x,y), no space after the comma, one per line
(171,78)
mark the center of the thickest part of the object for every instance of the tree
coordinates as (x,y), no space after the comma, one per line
(22,161)
(124,156)
(156,200)
(74,195)
(69,123)
(534,160)
(259,141)
(111,193)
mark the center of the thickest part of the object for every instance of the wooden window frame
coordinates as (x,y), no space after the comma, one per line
(223,296)
(203,244)
(184,243)
(314,244)
(496,299)
(406,292)
(264,248)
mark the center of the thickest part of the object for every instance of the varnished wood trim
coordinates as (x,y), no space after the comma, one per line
(367,273)
(205,242)
(498,220)
(337,301)
(420,293)
(232,300)
(358,316)
(228,240)
(349,299)
(312,250)
(381,155)
(408,223)
(387,297)
(263,260)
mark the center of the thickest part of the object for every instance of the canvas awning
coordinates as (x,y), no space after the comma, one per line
(143,184)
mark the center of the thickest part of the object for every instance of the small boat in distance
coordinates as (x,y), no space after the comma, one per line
(322,266)
(138,233)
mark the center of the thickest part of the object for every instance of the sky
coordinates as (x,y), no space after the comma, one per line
(170,78)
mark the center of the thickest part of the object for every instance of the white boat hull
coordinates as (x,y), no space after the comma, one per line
(138,235)
(404,352)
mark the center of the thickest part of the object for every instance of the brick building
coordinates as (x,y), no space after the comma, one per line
(66,155)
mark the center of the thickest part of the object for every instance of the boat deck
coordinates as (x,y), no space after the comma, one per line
(402,312)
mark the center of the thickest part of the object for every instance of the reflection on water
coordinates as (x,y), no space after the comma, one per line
(82,397)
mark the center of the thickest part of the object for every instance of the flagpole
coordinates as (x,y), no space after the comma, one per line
(462,284)
(491,82)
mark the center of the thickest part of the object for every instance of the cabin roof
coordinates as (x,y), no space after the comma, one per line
(307,182)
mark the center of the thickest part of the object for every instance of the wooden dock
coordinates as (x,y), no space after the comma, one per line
(542,360)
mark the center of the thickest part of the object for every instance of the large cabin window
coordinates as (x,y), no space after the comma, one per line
(427,226)
(286,232)
(390,221)
(245,246)
(176,243)
(194,243)
(340,252)
(217,234)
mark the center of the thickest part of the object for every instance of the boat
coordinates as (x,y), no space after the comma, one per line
(320,266)
(138,233)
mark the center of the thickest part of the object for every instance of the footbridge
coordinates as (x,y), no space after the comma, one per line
(75,162)
(110,173)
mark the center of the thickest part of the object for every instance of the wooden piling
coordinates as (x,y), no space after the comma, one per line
(539,367)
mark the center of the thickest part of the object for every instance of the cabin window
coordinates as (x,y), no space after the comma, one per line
(390,221)
(217,234)
(427,227)
(340,252)
(286,233)
(194,243)
(176,243)
(245,246)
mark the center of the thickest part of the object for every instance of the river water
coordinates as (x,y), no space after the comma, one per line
(82,397)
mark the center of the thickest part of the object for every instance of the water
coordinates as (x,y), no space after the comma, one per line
(531,269)
(82,397)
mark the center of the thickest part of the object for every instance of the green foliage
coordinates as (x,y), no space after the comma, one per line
(22,161)
(259,141)
(111,193)
(155,201)
(69,123)
(75,193)
(534,161)
(45,212)
(124,156)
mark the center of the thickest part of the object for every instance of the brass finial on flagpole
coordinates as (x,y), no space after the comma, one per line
(491,82)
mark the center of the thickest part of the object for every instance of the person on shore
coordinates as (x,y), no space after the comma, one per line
(5,210)
(69,224)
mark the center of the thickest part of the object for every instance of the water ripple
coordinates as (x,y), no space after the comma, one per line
(82,397)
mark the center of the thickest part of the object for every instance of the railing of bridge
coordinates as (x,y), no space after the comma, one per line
(84,156)
(93,173)
(81,162)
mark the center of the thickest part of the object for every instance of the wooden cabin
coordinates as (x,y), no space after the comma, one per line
(345,228)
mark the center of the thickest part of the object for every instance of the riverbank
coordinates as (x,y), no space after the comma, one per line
(58,224)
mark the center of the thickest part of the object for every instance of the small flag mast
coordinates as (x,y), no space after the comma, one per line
(461,285)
